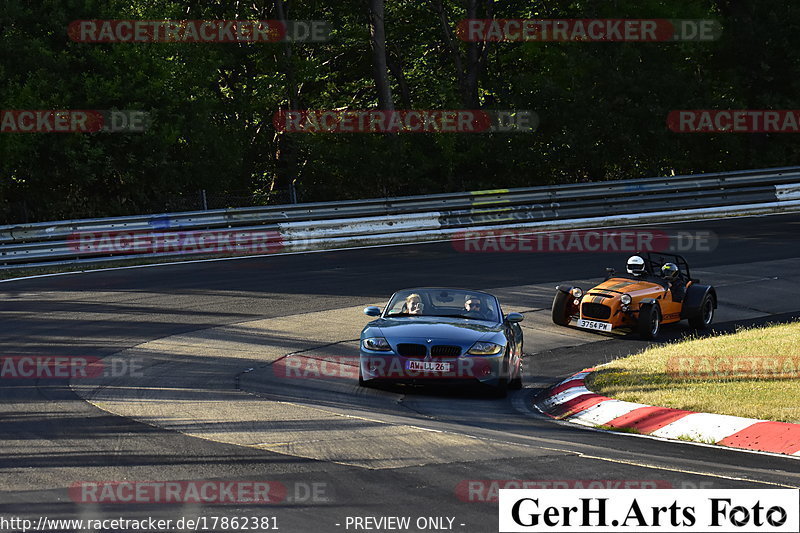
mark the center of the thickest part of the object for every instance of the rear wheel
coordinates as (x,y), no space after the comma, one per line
(649,321)
(705,315)
(561,314)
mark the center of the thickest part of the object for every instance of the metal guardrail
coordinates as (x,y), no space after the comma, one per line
(295,226)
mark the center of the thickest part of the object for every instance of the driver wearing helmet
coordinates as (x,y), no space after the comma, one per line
(671,275)
(636,266)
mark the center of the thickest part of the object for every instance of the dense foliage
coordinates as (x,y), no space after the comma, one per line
(603,106)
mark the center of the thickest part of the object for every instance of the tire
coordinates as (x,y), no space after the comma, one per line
(705,315)
(649,322)
(561,314)
(516,383)
(501,389)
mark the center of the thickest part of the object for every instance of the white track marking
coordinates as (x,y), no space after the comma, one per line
(605,412)
(705,427)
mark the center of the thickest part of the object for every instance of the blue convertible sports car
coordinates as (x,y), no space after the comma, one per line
(442,335)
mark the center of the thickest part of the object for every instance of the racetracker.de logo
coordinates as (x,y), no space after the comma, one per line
(346,368)
(198,31)
(734,367)
(583,241)
(734,121)
(324,367)
(488,490)
(60,367)
(178,492)
(177,242)
(405,121)
(588,30)
(73,121)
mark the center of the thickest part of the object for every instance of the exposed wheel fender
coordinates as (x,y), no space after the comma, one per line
(565,288)
(701,316)
(693,301)
(561,307)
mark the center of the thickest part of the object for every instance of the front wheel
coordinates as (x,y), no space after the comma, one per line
(561,314)
(516,383)
(649,321)
(501,389)
(705,316)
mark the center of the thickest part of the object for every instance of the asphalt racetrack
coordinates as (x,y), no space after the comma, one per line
(196,398)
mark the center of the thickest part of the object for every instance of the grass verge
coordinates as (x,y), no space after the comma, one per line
(753,373)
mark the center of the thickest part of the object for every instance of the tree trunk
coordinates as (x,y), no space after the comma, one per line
(396,68)
(378,40)
(285,172)
(476,55)
(468,66)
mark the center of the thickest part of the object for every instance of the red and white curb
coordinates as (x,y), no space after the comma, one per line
(571,401)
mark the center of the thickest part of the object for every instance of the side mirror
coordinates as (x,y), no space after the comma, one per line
(372,311)
(610,273)
(513,318)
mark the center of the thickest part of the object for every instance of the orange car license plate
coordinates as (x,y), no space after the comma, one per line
(592,324)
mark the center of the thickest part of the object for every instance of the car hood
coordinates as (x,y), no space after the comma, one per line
(437,328)
(615,287)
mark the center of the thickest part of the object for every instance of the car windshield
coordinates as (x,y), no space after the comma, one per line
(444,303)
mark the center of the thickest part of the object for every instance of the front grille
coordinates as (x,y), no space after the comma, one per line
(412,350)
(445,351)
(593,310)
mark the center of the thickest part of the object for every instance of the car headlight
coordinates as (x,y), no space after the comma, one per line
(625,299)
(376,344)
(577,292)
(485,348)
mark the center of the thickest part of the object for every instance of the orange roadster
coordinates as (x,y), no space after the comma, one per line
(657,289)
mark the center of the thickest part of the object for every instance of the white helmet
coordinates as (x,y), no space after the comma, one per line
(636,265)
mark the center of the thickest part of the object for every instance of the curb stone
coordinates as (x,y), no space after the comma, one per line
(571,401)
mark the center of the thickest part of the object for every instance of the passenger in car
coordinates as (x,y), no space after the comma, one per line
(671,274)
(413,305)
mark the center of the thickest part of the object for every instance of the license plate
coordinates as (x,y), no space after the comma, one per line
(428,366)
(591,324)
